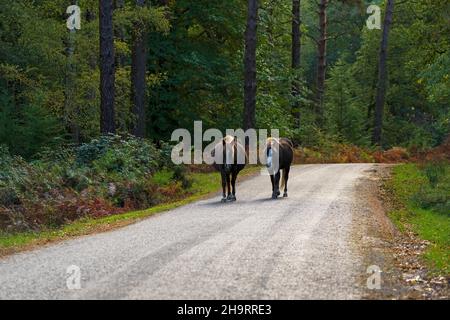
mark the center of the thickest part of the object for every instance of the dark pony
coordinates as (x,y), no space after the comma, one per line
(233,161)
(281,149)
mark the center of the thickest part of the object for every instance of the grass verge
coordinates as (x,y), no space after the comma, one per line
(204,184)
(423,195)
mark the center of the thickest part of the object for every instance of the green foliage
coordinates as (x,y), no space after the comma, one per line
(345,116)
(435,194)
(163,177)
(200,63)
(114,153)
(417,109)
(142,18)
(195,56)
(103,177)
(437,79)
(424,196)
(40,82)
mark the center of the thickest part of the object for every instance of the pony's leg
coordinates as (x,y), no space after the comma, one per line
(233,185)
(286,178)
(229,186)
(272,179)
(276,190)
(277,182)
(224,185)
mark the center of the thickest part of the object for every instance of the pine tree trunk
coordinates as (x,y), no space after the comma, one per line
(296,49)
(322,60)
(107,67)
(382,75)
(138,72)
(250,65)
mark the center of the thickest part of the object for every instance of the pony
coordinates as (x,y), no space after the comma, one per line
(283,150)
(232,162)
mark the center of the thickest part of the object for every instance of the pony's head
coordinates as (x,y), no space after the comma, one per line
(272,147)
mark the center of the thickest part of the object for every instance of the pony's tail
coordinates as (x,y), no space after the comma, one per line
(283,180)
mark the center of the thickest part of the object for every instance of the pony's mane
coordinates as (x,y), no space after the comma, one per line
(269,140)
(279,142)
(228,139)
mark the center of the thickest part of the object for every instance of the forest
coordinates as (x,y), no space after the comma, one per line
(88,105)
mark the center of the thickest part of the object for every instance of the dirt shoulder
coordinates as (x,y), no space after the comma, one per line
(398,254)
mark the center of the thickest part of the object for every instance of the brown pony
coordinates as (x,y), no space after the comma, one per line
(233,161)
(281,149)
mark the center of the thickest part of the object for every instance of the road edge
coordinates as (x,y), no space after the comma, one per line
(382,245)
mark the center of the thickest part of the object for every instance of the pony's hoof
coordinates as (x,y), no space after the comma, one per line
(223,200)
(278,193)
(231,197)
(285,195)
(275,196)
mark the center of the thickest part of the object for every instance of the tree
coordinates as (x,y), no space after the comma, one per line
(107,67)
(69,88)
(138,72)
(194,70)
(296,49)
(120,36)
(382,74)
(321,59)
(250,65)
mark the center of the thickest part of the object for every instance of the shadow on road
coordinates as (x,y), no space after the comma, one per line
(218,203)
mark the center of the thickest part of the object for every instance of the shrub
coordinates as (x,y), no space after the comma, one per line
(434,172)
(136,194)
(106,176)
(163,177)
(179,174)
(28,128)
(394,155)
(435,194)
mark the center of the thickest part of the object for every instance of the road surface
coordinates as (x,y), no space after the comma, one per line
(299,247)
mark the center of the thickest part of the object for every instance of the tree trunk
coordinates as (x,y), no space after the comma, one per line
(250,65)
(138,72)
(322,59)
(296,48)
(382,75)
(107,67)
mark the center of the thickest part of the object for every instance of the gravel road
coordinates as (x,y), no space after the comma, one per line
(299,247)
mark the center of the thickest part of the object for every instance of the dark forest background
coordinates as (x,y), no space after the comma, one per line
(318,70)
